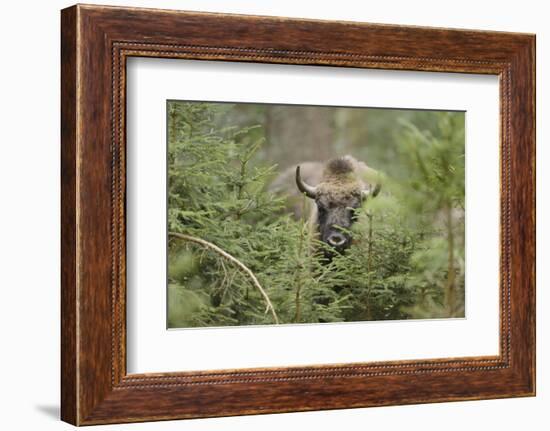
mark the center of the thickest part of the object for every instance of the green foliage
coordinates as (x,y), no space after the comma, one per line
(435,167)
(397,267)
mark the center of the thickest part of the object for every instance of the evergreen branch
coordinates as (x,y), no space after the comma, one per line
(237,262)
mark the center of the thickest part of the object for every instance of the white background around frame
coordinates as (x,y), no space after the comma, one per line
(153,348)
(29,227)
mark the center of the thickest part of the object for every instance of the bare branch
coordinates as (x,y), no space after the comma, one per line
(237,262)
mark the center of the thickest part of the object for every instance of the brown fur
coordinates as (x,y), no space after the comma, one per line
(337,179)
(339,191)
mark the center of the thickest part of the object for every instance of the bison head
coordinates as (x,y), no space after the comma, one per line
(337,197)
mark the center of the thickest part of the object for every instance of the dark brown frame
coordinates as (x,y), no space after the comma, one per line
(95,43)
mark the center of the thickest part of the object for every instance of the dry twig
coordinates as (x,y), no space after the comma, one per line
(237,262)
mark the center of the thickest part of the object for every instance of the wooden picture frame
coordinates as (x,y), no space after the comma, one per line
(95,43)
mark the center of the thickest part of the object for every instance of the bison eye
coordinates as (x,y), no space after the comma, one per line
(321,209)
(321,213)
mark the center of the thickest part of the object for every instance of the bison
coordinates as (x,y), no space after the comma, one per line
(338,188)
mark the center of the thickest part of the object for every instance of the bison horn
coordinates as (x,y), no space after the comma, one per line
(368,192)
(310,191)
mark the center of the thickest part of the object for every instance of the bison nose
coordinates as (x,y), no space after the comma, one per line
(336,239)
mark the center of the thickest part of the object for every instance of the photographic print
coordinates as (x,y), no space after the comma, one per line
(239,209)
(288,214)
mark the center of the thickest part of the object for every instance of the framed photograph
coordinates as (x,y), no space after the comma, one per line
(264,215)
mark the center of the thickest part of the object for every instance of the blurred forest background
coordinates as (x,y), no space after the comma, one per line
(407,260)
